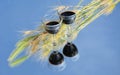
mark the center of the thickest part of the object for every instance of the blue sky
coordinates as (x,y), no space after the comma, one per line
(98,43)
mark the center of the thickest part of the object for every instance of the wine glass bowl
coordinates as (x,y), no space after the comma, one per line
(70,50)
(52,22)
(52,27)
(56,58)
(56,61)
(68,17)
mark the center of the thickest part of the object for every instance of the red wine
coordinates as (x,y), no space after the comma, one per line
(52,27)
(56,58)
(70,50)
(68,17)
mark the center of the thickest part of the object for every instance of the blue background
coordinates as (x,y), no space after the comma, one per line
(98,43)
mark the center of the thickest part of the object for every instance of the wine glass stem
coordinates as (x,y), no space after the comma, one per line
(69,33)
(54,43)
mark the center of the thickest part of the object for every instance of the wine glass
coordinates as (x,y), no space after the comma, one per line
(52,25)
(70,50)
